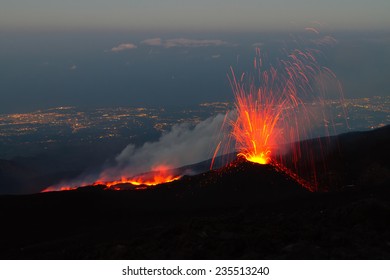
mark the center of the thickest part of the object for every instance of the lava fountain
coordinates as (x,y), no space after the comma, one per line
(271,109)
(271,117)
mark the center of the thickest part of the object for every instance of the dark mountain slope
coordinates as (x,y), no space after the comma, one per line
(242,211)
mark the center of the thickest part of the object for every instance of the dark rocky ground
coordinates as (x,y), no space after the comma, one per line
(244,211)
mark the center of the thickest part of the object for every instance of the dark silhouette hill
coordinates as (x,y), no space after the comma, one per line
(346,160)
(51,166)
(16,177)
(242,211)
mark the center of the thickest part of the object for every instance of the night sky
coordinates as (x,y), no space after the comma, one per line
(173,53)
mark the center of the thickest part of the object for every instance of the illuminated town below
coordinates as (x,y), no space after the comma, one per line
(66,125)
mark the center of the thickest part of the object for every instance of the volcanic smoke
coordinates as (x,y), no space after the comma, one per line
(154,162)
(271,116)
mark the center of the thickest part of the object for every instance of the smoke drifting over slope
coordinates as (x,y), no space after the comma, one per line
(182,145)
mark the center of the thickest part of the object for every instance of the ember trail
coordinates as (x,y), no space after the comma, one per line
(271,113)
(270,120)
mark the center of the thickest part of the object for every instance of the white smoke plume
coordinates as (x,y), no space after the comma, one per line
(182,145)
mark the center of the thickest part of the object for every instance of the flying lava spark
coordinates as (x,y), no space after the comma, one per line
(272,113)
(264,105)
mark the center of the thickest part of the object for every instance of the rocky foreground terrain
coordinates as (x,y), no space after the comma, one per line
(242,211)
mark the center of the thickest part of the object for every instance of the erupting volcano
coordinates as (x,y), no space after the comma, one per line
(271,111)
(276,106)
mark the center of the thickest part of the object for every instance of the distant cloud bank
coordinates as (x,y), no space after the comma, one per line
(124,47)
(183,42)
(153,42)
(258,44)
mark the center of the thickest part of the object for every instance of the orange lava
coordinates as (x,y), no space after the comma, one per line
(159,175)
(156,178)
(261,107)
(271,113)
(254,130)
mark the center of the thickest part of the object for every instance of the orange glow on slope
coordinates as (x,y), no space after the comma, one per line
(260,159)
(156,177)
(59,188)
(159,175)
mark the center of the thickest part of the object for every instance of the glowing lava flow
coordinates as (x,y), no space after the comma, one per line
(159,175)
(153,179)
